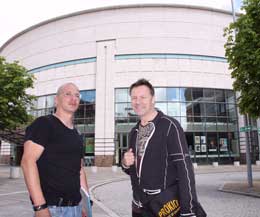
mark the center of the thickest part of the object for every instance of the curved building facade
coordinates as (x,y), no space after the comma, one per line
(178,48)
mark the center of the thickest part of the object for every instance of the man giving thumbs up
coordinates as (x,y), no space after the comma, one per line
(158,156)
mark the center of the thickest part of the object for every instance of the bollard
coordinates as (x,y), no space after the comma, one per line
(14,172)
(257,163)
(195,165)
(215,164)
(114,168)
(94,169)
(236,163)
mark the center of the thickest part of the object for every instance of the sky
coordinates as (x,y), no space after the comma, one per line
(17,15)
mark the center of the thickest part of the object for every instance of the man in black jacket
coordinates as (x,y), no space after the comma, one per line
(158,155)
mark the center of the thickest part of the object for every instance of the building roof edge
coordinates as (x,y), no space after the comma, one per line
(109,8)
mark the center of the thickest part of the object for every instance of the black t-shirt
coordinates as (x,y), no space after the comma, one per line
(60,163)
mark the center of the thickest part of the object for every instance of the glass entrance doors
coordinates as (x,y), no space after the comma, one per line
(121,146)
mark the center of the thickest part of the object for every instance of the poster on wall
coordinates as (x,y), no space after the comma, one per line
(89,145)
(203,148)
(203,139)
(212,146)
(223,144)
(197,148)
(197,139)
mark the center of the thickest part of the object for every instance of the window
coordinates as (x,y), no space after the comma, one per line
(121,95)
(185,94)
(80,112)
(162,107)
(220,96)
(88,96)
(121,110)
(41,102)
(160,94)
(197,94)
(221,109)
(209,95)
(186,109)
(230,96)
(173,94)
(50,101)
(210,109)
(174,109)
(199,109)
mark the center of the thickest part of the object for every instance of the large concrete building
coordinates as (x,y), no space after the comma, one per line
(180,49)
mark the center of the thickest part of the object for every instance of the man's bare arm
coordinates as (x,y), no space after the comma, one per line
(32,153)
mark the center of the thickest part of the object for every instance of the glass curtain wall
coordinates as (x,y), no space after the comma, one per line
(84,119)
(208,117)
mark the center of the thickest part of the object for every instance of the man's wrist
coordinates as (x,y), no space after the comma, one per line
(40,207)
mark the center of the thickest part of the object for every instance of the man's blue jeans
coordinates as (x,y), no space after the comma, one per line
(65,211)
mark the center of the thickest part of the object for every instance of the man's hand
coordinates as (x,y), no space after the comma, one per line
(84,212)
(129,158)
(43,213)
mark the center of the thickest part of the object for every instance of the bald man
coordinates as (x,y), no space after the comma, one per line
(52,162)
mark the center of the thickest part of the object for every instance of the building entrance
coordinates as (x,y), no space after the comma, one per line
(204,148)
(121,146)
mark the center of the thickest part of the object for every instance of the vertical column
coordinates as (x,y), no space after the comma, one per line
(104,112)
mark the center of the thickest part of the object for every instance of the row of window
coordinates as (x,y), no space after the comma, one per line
(208,116)
(183,109)
(125,124)
(194,114)
(86,97)
(177,94)
(84,118)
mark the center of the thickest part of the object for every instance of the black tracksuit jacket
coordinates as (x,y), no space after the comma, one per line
(165,162)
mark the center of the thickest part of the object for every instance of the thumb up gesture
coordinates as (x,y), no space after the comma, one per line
(129,158)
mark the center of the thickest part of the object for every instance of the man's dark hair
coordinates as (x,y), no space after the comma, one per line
(141,82)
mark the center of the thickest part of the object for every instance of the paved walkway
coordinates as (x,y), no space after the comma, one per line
(111,190)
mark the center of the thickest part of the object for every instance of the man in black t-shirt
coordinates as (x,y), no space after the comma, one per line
(52,161)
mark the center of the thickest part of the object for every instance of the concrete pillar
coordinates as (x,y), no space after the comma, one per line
(104,114)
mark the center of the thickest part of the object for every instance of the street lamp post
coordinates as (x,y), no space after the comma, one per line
(248,157)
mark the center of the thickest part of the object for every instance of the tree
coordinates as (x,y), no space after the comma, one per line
(243,55)
(14,80)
